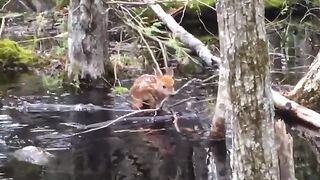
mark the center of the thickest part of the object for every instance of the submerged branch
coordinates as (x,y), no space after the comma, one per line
(112,122)
(141,121)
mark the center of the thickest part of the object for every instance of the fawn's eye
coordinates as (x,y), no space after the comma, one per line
(164,87)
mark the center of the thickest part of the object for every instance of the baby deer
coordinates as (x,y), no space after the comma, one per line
(148,90)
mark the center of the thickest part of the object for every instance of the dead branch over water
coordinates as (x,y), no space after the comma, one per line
(186,38)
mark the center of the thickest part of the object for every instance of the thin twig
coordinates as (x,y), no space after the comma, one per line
(144,40)
(113,121)
(185,85)
(164,54)
(117,60)
(105,80)
(140,3)
(175,121)
(177,91)
(204,25)
(3,20)
(44,38)
(211,77)
(181,102)
(4,6)
(139,130)
(150,51)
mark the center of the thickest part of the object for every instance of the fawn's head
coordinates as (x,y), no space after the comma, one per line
(166,81)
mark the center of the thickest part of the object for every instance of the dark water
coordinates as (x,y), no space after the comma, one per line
(114,152)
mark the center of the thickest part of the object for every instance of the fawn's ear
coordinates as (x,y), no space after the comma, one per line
(169,71)
(157,72)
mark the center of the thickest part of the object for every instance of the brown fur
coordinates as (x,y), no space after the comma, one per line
(149,90)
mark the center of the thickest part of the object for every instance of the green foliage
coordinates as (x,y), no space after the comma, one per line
(196,4)
(11,52)
(188,66)
(154,28)
(2,2)
(122,60)
(61,4)
(53,82)
(119,90)
(177,46)
(274,3)
(75,83)
(316,2)
(60,50)
(208,39)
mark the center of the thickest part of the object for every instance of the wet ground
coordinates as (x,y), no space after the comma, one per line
(122,151)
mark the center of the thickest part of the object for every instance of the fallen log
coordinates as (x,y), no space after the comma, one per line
(301,112)
(306,91)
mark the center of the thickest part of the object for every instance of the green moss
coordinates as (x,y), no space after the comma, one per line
(53,82)
(119,90)
(61,4)
(316,3)
(2,2)
(208,39)
(274,3)
(11,53)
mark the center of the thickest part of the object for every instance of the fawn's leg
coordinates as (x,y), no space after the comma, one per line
(136,103)
(152,103)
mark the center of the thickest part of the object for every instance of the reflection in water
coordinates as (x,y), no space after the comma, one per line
(108,154)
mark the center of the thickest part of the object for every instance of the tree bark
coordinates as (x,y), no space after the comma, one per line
(87,38)
(244,53)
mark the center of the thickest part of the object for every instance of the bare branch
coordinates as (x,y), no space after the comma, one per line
(301,112)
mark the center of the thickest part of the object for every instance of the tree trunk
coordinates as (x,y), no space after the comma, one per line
(285,151)
(306,92)
(223,100)
(87,38)
(244,53)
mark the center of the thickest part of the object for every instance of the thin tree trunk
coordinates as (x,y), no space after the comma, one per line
(87,38)
(285,151)
(219,126)
(244,53)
